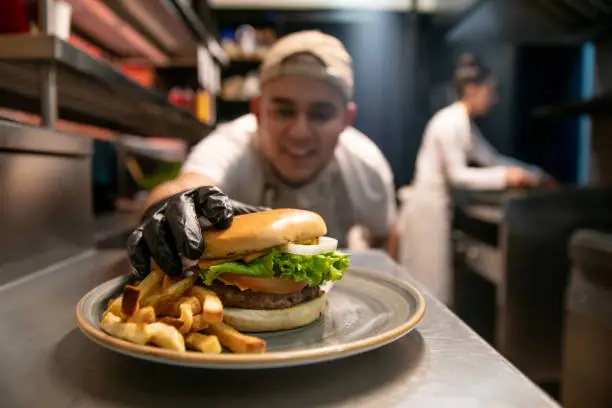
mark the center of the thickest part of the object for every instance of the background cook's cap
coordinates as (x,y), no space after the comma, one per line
(312,54)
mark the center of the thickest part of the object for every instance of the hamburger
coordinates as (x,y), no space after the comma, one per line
(268,267)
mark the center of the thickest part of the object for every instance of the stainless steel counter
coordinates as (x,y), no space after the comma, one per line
(46,361)
(486,213)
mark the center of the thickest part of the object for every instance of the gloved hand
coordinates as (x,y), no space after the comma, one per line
(170,229)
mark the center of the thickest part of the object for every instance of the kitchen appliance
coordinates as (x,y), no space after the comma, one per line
(516,244)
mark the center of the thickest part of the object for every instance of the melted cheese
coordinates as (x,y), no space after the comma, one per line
(241,287)
(248,258)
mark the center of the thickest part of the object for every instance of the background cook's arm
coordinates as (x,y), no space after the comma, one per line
(485,154)
(453,147)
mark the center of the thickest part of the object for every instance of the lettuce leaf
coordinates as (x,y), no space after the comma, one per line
(314,269)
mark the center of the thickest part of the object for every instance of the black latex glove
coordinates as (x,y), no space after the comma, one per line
(171,228)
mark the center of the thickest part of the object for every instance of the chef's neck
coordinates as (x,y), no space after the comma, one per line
(465,105)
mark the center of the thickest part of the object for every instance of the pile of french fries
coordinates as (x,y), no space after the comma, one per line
(174,314)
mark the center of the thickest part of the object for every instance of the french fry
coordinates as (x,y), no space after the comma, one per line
(173,314)
(236,341)
(184,308)
(200,293)
(115,307)
(165,336)
(174,309)
(212,308)
(186,317)
(131,299)
(171,321)
(203,343)
(132,332)
(150,283)
(199,323)
(170,295)
(168,281)
(144,315)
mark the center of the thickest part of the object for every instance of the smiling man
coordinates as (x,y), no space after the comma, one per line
(296,149)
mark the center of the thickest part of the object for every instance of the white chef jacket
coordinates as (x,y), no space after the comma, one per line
(450,141)
(356,188)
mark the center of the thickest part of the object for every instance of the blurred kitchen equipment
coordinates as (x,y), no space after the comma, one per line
(61,20)
(520,246)
(587,355)
(246,37)
(250,87)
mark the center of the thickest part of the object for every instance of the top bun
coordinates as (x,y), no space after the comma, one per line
(263,230)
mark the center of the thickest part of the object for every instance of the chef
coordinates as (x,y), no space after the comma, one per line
(296,149)
(450,143)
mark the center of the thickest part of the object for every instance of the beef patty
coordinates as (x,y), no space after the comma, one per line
(231,296)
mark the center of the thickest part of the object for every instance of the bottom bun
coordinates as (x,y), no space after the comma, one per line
(259,320)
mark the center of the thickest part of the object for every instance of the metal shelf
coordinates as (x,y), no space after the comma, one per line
(160,21)
(199,29)
(595,105)
(88,90)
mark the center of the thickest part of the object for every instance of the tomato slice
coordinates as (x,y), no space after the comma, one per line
(268,285)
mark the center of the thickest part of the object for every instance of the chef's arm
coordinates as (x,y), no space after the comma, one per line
(360,238)
(485,154)
(460,175)
(388,243)
(185,181)
(376,217)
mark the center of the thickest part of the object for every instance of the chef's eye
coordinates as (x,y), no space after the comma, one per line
(321,116)
(285,113)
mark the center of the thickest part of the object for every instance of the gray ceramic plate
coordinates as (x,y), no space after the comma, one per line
(365,310)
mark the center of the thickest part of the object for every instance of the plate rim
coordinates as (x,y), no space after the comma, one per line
(194,358)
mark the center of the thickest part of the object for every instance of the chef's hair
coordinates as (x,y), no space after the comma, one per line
(469,71)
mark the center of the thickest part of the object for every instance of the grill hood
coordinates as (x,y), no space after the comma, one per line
(534,21)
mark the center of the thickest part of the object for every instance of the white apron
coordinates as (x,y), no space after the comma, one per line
(424,243)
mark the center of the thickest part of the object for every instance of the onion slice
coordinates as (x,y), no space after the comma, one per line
(325,246)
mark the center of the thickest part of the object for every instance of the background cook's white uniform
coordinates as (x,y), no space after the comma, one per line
(355,189)
(450,141)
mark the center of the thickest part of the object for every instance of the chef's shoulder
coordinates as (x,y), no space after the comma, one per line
(366,171)
(369,180)
(445,117)
(364,154)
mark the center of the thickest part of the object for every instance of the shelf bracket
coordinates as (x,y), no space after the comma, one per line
(48,74)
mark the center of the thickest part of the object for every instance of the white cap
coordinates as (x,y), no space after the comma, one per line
(312,54)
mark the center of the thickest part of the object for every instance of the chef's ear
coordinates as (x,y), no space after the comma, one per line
(350,114)
(254,105)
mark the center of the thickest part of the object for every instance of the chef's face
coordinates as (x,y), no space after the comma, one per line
(482,97)
(300,121)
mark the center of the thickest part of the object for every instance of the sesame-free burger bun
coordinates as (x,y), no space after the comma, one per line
(260,320)
(263,230)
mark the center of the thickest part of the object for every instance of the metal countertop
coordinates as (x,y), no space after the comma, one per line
(46,361)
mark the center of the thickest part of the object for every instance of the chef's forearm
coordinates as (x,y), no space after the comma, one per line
(361,238)
(183,182)
(388,243)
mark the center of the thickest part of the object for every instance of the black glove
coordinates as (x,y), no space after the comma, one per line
(170,229)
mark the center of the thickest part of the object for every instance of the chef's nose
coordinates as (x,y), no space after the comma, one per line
(300,128)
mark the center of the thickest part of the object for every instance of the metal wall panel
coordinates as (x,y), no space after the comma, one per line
(45,199)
